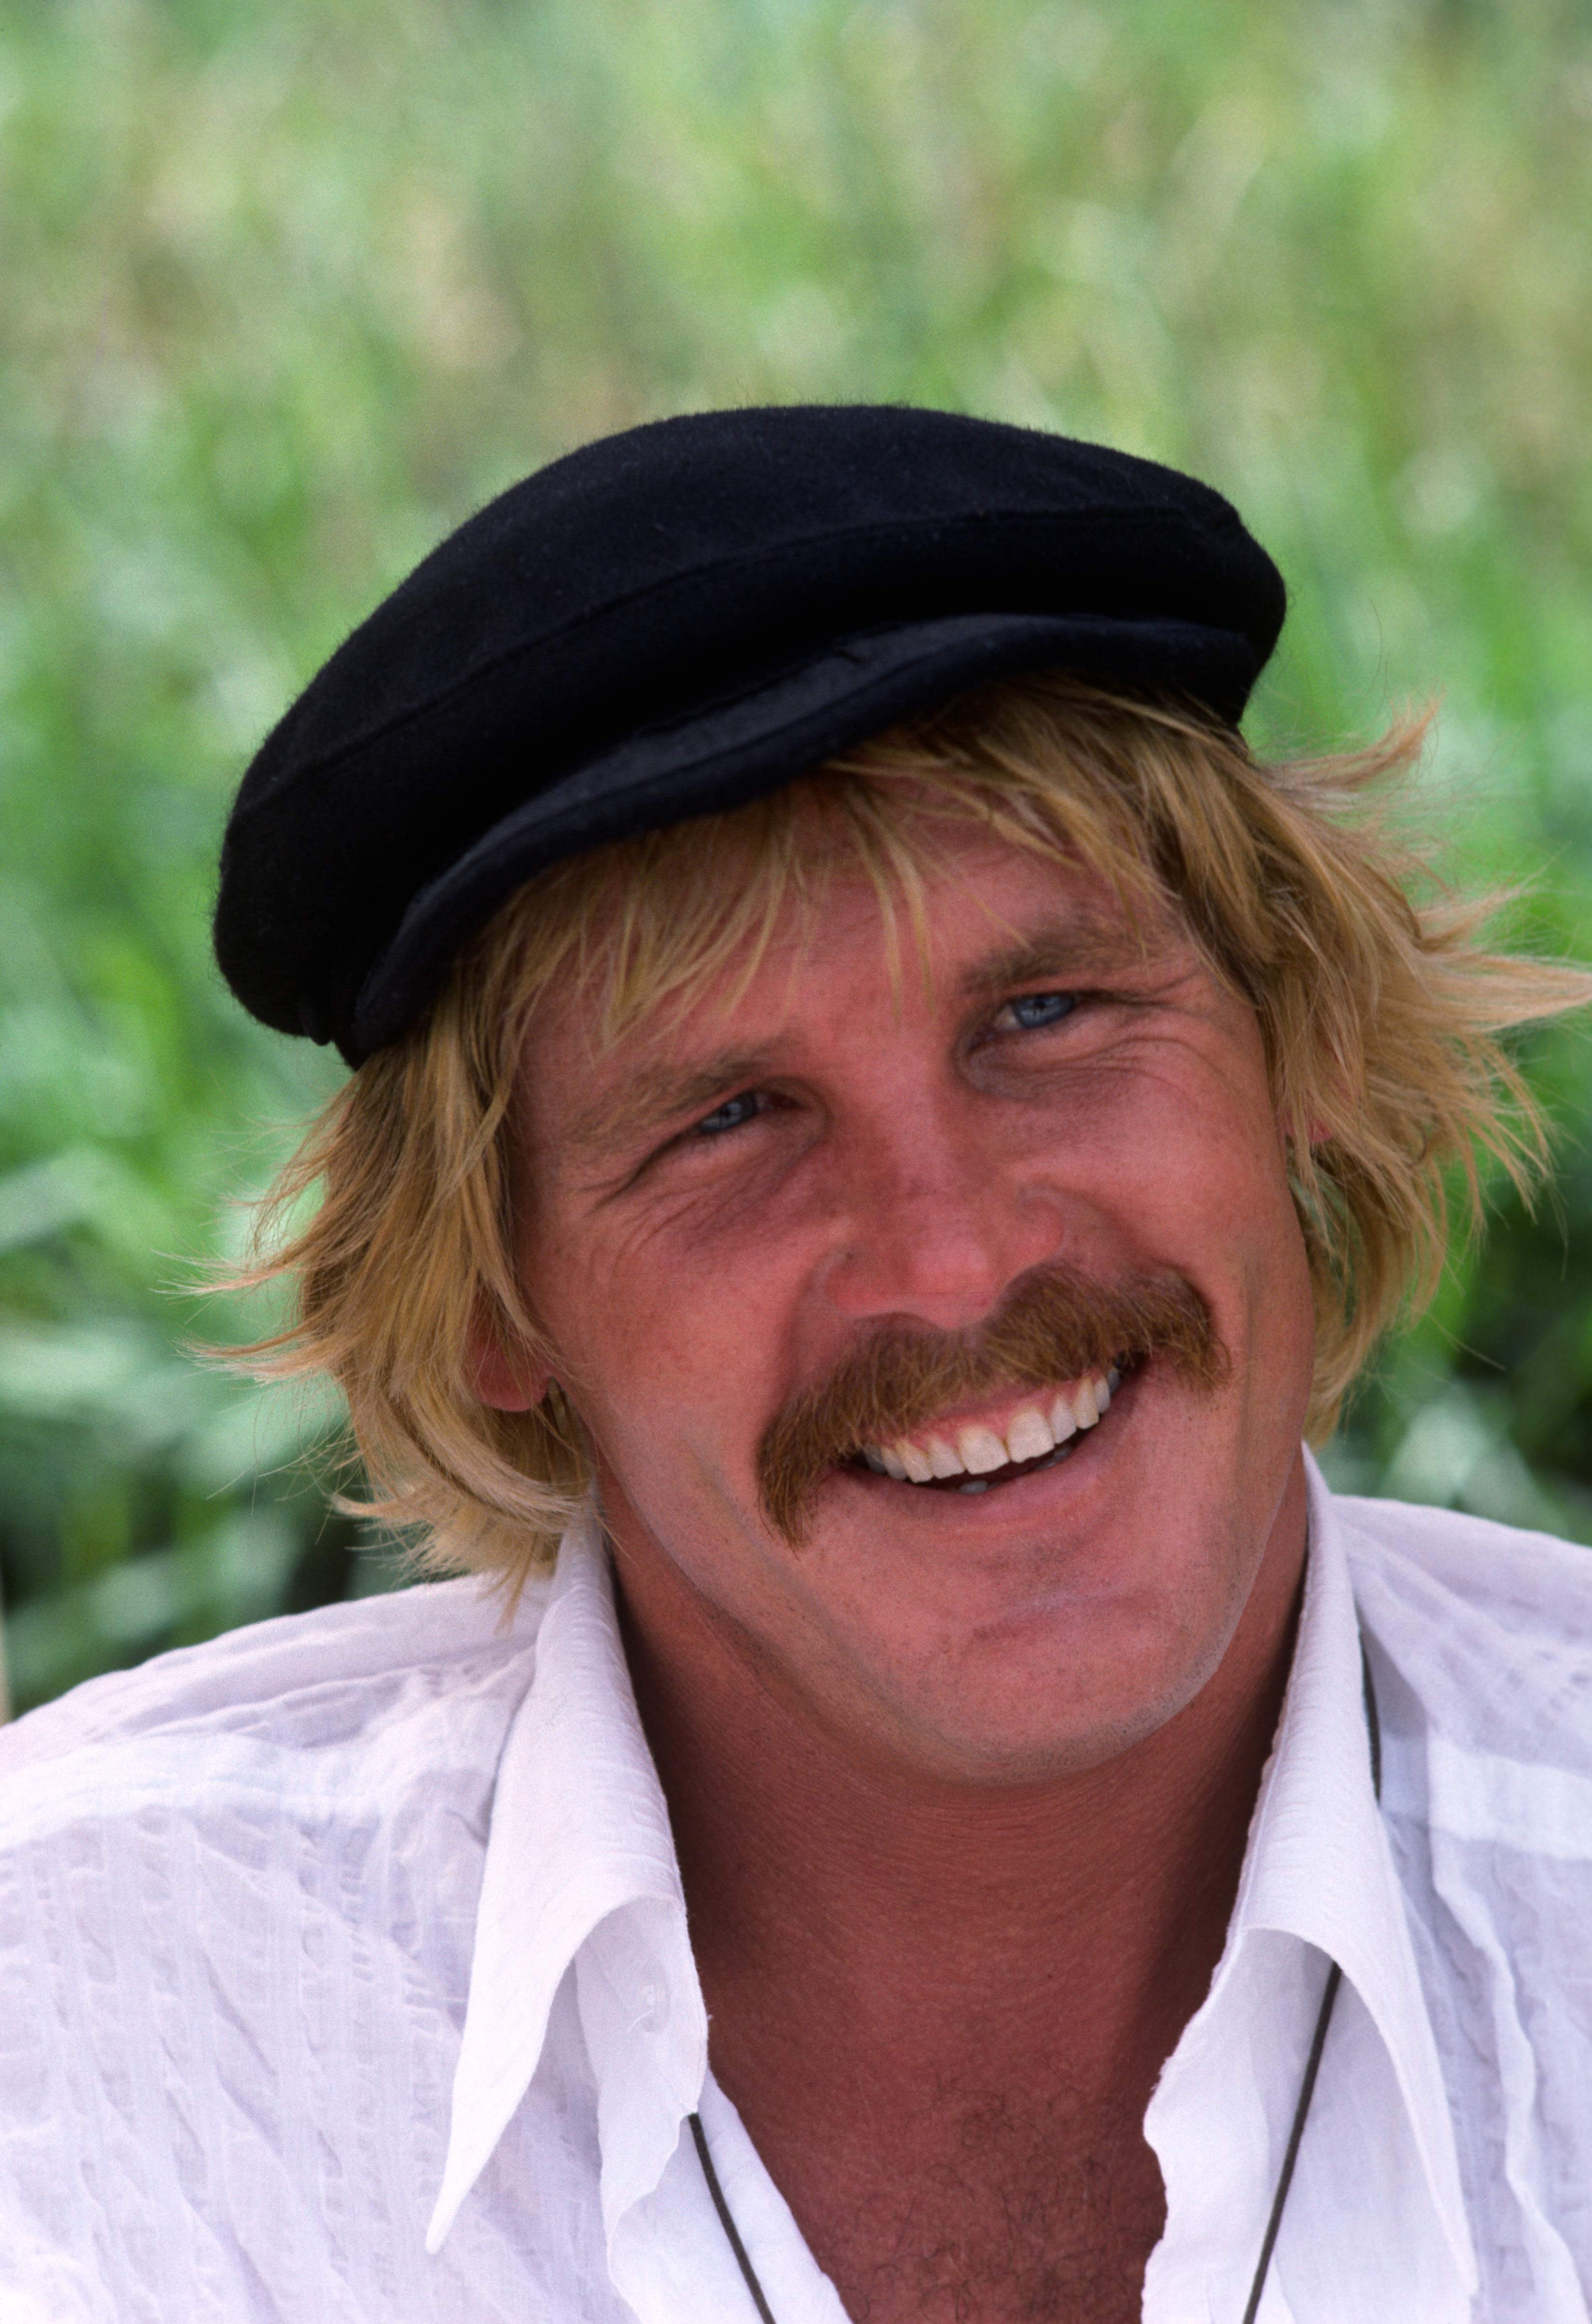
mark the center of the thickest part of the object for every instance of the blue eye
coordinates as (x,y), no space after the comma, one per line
(733,1114)
(1034,1010)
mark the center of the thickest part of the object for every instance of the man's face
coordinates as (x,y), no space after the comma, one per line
(720,1211)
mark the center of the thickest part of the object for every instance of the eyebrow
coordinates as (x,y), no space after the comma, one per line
(1086,942)
(654,1094)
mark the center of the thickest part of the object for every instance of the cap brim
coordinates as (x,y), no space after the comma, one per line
(739,749)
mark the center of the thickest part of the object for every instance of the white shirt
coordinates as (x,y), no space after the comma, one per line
(344,1975)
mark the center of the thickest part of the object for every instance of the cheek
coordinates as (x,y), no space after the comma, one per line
(1279,1305)
(1202,1186)
(665,1363)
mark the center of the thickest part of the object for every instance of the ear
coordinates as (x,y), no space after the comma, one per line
(506,1376)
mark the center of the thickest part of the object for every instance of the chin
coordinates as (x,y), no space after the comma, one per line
(1029,1717)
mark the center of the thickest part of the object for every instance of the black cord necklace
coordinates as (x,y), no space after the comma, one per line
(1307,2088)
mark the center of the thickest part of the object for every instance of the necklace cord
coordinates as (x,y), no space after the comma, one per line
(731,2229)
(1291,2153)
(1285,2176)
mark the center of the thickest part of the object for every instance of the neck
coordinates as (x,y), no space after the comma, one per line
(936,1920)
(941,2007)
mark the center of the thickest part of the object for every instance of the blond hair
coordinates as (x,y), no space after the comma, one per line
(1379,1007)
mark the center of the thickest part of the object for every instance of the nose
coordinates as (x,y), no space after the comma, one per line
(931,1221)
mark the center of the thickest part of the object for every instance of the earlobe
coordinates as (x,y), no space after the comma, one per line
(1312,1131)
(508,1379)
(1317,1132)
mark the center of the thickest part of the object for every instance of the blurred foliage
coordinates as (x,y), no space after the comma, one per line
(287,288)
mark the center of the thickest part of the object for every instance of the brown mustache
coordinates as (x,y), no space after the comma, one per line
(1054,1326)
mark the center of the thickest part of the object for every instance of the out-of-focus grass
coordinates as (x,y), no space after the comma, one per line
(287,290)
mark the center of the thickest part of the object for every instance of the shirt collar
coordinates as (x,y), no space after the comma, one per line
(581,1868)
(580,1864)
(1320,1867)
(1323,1863)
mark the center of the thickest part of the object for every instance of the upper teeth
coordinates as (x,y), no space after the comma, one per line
(1032,1432)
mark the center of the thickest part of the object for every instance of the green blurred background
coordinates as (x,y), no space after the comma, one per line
(287,288)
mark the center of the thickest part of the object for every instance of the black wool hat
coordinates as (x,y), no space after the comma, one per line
(677,620)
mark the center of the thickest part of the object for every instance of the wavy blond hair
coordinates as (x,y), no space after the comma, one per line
(1379,1005)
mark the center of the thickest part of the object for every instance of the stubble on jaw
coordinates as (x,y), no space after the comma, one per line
(1057,1324)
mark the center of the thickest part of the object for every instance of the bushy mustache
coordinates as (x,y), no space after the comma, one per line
(1056,1324)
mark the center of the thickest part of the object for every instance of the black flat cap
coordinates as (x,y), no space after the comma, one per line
(677,620)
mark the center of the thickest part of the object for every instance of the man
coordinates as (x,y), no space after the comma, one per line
(876,1128)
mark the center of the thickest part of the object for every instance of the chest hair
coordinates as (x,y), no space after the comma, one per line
(1002,2214)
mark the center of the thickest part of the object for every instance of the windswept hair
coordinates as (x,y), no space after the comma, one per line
(1379,1004)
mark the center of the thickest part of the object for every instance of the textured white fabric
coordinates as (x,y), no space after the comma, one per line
(364,1928)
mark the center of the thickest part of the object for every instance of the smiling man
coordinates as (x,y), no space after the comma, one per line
(879,1128)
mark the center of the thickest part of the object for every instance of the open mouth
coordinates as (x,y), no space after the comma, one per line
(1045,1429)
